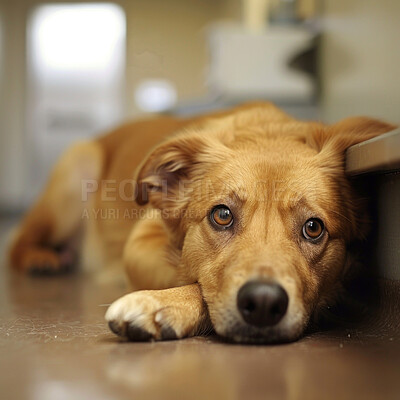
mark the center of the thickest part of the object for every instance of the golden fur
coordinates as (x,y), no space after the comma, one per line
(272,171)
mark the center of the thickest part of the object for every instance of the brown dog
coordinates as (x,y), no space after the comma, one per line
(241,223)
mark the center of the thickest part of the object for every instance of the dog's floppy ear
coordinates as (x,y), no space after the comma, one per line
(162,177)
(336,138)
(331,143)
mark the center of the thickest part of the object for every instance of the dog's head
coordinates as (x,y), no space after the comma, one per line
(260,209)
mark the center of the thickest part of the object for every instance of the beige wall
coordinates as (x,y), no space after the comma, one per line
(361,59)
(12,104)
(166,39)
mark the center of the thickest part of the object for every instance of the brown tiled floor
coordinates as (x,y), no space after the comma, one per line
(54,345)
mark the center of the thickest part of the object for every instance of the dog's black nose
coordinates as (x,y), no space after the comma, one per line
(262,303)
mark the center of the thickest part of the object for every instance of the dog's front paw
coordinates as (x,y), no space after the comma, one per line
(139,317)
(155,315)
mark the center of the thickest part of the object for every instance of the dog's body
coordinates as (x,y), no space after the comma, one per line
(241,221)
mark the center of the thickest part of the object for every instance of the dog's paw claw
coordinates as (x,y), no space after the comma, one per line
(137,334)
(168,333)
(42,270)
(115,328)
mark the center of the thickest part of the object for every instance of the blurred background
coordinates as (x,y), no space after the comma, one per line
(70,70)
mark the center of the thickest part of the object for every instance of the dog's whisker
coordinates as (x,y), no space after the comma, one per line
(341,215)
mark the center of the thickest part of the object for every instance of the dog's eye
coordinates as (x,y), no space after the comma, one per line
(221,217)
(313,229)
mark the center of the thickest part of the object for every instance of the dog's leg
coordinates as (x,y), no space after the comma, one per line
(57,214)
(160,314)
(148,258)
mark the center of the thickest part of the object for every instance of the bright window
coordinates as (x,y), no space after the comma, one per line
(77,37)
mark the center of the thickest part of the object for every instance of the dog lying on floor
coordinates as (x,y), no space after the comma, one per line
(239,221)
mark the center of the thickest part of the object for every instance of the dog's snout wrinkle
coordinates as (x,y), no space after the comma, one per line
(262,304)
